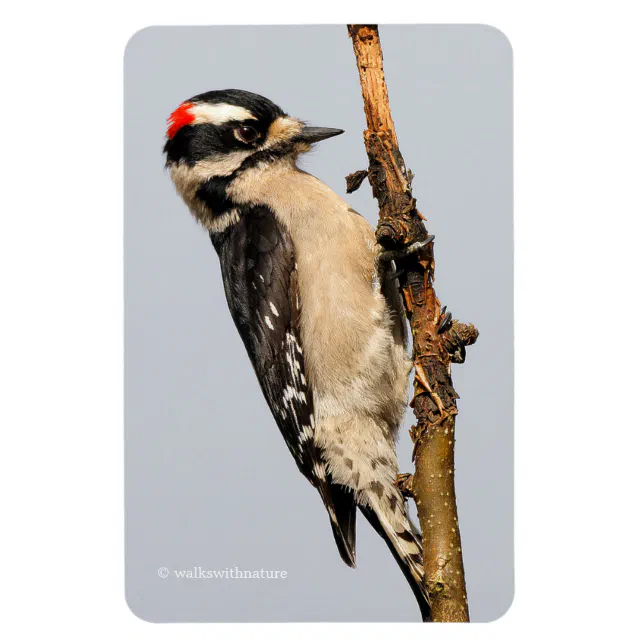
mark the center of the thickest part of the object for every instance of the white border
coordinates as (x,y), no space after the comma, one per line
(579,146)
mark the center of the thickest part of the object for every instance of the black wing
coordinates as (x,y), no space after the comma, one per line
(260,280)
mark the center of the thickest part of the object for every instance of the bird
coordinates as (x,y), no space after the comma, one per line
(319,313)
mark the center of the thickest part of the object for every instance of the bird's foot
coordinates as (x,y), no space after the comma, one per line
(445,322)
(386,256)
(404,483)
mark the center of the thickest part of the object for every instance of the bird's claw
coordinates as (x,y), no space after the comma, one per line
(404,483)
(395,255)
(445,320)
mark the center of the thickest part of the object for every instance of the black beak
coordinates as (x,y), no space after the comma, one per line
(315,134)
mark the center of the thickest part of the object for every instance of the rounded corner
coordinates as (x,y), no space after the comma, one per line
(507,609)
(135,612)
(133,38)
(498,31)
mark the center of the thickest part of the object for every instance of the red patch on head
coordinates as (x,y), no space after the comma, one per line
(180,117)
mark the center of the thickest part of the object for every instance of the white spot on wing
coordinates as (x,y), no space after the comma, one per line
(319,470)
(269,324)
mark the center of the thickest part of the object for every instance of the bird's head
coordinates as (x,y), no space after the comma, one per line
(223,132)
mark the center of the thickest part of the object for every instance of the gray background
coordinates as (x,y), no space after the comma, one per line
(209,481)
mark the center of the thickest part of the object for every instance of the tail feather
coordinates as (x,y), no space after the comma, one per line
(341,506)
(405,546)
(344,528)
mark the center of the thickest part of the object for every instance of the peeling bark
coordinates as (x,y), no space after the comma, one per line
(437,340)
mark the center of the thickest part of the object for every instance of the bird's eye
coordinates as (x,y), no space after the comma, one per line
(247,134)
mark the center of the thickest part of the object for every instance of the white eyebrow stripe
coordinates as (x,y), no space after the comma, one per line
(219,113)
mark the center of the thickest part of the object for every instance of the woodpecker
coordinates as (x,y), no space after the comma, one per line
(318,311)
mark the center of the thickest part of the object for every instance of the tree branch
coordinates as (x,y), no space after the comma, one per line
(437,340)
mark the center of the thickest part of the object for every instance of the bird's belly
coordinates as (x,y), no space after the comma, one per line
(352,361)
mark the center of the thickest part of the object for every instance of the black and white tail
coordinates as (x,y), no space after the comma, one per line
(393,525)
